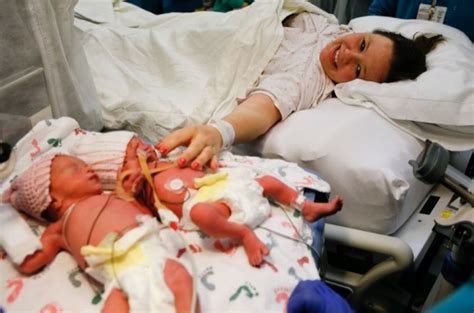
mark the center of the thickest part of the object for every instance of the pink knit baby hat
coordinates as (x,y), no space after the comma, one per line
(29,192)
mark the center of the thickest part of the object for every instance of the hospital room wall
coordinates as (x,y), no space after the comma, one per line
(43,72)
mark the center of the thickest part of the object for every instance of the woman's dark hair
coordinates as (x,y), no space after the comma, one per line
(409,55)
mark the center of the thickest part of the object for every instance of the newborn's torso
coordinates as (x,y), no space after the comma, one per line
(91,219)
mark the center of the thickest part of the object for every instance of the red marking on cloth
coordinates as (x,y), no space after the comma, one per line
(272,266)
(282,296)
(180,252)
(227,250)
(35,144)
(289,225)
(307,181)
(247,161)
(17,285)
(78,131)
(195,248)
(174,226)
(303,260)
(51,307)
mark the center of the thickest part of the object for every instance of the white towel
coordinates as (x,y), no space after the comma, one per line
(16,237)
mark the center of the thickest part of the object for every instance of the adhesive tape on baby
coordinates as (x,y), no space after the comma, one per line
(175,184)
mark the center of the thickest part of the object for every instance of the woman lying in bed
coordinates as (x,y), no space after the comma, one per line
(296,79)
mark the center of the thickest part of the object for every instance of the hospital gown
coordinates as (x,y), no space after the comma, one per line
(294,78)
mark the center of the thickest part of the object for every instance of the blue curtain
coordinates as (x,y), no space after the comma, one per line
(166,6)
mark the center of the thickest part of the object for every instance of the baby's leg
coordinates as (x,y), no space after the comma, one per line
(313,211)
(116,302)
(181,285)
(212,219)
(276,189)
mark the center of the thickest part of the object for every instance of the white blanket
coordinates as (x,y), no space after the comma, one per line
(172,70)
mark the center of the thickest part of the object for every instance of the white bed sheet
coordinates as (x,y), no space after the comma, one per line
(362,156)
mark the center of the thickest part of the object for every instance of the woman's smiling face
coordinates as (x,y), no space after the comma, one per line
(360,55)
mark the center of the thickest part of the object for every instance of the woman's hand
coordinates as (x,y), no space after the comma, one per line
(250,119)
(204,143)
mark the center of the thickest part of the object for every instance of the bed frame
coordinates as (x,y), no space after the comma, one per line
(409,249)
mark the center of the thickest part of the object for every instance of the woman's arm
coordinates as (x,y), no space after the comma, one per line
(52,242)
(251,119)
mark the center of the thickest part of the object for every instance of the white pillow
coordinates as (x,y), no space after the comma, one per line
(362,156)
(442,95)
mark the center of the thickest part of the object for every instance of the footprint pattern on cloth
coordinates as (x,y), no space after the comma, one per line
(17,285)
(281,170)
(272,242)
(55,142)
(204,278)
(296,213)
(281,296)
(292,272)
(72,276)
(37,149)
(51,307)
(288,225)
(245,290)
(79,131)
(303,260)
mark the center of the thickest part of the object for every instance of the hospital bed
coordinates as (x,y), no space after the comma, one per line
(360,151)
(385,228)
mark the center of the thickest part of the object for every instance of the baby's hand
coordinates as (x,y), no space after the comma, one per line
(136,144)
(204,143)
(133,183)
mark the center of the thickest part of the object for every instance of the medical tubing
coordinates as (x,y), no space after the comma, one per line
(146,173)
(301,240)
(290,238)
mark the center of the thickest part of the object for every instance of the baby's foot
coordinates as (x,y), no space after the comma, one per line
(254,248)
(313,211)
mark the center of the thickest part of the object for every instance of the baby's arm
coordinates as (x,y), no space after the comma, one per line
(52,242)
(132,183)
(131,158)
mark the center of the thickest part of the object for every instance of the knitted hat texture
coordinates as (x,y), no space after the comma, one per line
(29,192)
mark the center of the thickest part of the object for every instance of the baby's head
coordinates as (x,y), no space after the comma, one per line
(379,56)
(51,185)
